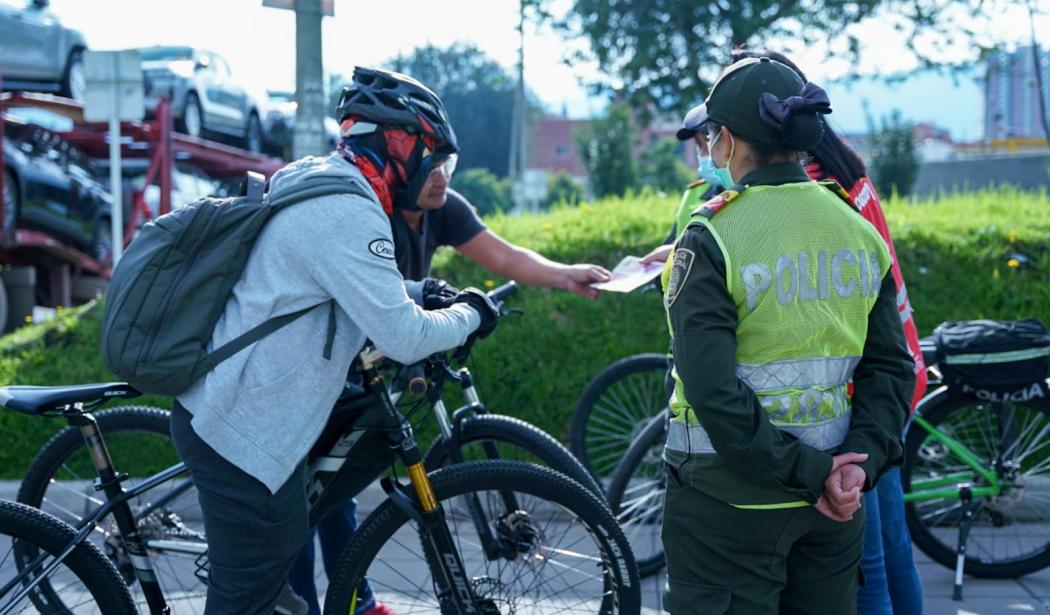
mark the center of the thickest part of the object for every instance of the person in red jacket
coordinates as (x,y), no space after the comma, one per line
(892,581)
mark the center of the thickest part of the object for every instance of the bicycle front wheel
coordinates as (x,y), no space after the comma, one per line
(636,495)
(85,582)
(615,406)
(561,549)
(1010,532)
(60,482)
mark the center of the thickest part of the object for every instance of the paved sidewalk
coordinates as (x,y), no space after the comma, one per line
(1030,594)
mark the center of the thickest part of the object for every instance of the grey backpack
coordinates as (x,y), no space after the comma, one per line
(172,284)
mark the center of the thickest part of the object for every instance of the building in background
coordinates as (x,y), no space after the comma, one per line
(1012,109)
(552,146)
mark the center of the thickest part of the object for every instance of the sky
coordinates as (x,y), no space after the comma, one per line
(259,44)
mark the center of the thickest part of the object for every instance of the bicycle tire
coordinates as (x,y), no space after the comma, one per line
(614,407)
(518,433)
(44,487)
(619,590)
(922,456)
(41,531)
(639,507)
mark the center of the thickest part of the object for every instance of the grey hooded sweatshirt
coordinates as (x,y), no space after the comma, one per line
(263,408)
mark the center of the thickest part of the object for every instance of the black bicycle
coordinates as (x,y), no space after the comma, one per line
(487,535)
(615,406)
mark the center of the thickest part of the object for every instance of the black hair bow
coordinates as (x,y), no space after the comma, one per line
(776,112)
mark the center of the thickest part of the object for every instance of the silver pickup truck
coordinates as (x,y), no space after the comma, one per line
(37,52)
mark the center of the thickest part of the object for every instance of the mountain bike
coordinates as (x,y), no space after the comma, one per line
(976,477)
(615,405)
(494,516)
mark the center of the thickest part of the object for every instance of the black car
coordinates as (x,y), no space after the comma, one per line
(52,187)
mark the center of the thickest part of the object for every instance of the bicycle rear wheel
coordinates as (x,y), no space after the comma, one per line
(615,406)
(567,553)
(60,481)
(515,440)
(1010,534)
(85,582)
(636,495)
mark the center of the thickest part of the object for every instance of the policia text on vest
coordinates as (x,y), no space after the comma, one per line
(792,276)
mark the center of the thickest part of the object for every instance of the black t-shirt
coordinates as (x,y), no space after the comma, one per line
(453,224)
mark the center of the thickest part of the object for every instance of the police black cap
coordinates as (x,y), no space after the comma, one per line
(734,98)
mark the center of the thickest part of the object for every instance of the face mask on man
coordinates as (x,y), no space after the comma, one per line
(706,170)
(723,175)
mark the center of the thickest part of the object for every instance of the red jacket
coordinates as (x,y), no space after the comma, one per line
(867,203)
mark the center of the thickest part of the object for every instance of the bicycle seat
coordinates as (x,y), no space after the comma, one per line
(929,350)
(37,400)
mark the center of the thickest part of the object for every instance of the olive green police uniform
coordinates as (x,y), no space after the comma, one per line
(776,298)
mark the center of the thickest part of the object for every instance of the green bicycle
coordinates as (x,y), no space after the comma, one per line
(976,476)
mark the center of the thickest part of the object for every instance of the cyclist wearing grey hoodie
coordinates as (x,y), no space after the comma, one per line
(245,428)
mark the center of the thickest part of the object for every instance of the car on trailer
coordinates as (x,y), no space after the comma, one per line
(204,96)
(39,53)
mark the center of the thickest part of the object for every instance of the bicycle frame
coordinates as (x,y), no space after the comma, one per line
(952,485)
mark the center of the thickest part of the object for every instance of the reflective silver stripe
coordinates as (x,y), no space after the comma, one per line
(798,374)
(903,305)
(997,357)
(693,438)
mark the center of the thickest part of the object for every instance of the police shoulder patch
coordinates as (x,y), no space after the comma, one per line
(681,265)
(716,203)
(838,190)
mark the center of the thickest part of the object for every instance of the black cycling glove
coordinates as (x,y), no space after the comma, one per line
(438,294)
(485,308)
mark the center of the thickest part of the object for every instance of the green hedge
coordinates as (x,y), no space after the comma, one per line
(981,255)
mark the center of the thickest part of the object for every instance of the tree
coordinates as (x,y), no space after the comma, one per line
(606,150)
(562,188)
(668,52)
(478,94)
(663,169)
(894,161)
(484,190)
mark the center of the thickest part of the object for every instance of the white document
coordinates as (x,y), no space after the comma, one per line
(630,274)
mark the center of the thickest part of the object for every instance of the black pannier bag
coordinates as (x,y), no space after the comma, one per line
(994,355)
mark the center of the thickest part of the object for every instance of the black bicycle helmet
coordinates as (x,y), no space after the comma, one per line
(389,98)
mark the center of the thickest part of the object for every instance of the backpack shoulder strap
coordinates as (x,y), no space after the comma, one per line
(320,186)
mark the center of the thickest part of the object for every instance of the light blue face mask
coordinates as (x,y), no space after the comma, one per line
(724,177)
(706,170)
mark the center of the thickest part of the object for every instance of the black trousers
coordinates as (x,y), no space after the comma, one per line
(254,536)
(723,560)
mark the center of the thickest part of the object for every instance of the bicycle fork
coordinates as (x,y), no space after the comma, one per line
(455,594)
(450,435)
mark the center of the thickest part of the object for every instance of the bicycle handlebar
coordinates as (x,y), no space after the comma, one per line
(502,292)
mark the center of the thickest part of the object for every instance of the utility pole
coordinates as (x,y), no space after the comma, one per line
(309,80)
(518,132)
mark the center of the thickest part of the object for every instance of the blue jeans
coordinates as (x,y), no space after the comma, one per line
(335,532)
(892,584)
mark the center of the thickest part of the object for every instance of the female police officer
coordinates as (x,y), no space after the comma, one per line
(777,298)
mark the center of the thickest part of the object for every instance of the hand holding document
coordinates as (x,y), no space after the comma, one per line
(629,274)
